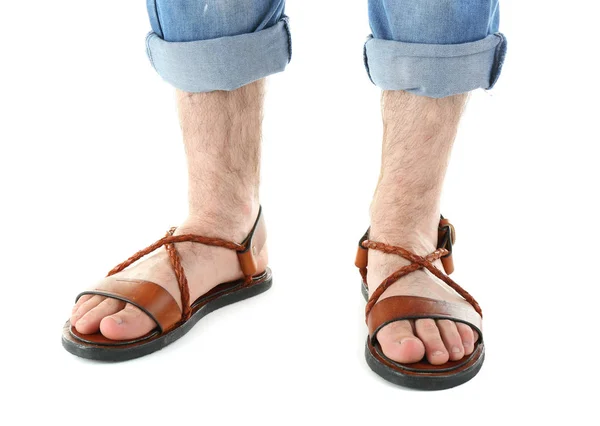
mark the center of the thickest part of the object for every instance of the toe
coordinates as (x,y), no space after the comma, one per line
(399,343)
(84,305)
(429,333)
(90,322)
(451,339)
(468,337)
(129,323)
(81,301)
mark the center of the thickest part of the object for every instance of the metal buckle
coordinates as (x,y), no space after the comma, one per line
(449,237)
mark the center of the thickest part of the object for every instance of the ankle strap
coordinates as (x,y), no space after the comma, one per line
(252,246)
(446,239)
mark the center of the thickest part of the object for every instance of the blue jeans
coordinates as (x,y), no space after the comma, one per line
(433,48)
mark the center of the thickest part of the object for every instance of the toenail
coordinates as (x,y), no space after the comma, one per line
(437,353)
(118,320)
(455,350)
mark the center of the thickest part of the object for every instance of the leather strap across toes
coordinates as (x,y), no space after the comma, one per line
(151,298)
(380,313)
(157,302)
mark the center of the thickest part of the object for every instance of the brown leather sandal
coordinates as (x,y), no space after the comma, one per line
(420,375)
(158,304)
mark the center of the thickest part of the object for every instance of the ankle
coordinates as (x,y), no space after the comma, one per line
(231,221)
(416,232)
(410,222)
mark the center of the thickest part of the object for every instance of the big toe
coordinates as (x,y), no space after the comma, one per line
(399,343)
(129,323)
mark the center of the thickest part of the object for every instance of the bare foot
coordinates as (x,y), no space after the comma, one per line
(410,341)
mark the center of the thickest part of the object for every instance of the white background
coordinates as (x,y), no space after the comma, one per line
(92,169)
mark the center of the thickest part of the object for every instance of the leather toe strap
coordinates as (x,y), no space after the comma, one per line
(151,298)
(398,308)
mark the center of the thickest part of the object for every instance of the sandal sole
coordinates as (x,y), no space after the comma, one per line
(425,381)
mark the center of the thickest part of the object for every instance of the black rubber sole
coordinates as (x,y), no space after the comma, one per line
(123,353)
(424,382)
(427,382)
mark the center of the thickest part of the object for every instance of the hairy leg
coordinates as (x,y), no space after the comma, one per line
(418,136)
(222,135)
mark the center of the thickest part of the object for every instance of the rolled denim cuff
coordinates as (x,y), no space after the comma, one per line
(435,70)
(225,63)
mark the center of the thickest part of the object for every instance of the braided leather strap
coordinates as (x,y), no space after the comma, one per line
(169,242)
(418,262)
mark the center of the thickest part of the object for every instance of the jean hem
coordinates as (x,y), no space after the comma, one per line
(435,70)
(225,63)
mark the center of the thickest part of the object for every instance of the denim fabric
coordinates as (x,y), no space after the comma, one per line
(206,45)
(434,48)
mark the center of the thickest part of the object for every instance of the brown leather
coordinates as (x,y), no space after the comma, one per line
(362,256)
(151,298)
(399,308)
(252,247)
(182,282)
